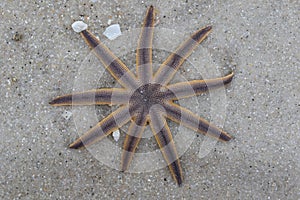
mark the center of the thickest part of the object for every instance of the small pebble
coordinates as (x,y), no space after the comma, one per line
(17,37)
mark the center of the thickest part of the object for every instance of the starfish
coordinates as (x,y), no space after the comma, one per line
(146,98)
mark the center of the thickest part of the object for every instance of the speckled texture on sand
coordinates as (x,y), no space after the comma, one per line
(40,55)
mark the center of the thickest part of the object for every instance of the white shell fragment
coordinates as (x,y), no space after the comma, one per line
(113,31)
(67,115)
(116,135)
(79,26)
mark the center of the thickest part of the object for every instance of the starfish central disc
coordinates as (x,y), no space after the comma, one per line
(146,96)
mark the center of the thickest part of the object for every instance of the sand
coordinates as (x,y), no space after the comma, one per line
(41,57)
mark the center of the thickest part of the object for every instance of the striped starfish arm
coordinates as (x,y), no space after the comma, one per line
(103,96)
(166,144)
(111,62)
(105,127)
(170,66)
(192,88)
(144,48)
(132,140)
(185,117)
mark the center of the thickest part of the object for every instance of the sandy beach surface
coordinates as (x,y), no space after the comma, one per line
(41,57)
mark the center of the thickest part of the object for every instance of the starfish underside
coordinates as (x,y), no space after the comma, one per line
(146,98)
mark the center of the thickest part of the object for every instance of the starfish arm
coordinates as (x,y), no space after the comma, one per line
(144,49)
(132,140)
(107,96)
(166,144)
(170,66)
(105,127)
(191,88)
(111,62)
(185,117)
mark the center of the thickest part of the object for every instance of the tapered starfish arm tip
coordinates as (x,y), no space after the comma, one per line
(192,88)
(103,96)
(176,172)
(228,78)
(58,101)
(76,144)
(110,61)
(212,83)
(185,117)
(170,66)
(166,144)
(179,181)
(201,34)
(225,137)
(208,28)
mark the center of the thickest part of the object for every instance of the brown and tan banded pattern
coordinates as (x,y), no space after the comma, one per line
(146,98)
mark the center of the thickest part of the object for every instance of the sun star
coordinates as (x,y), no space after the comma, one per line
(147,97)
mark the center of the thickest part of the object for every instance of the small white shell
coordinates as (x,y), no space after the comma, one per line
(67,115)
(79,26)
(116,135)
(113,31)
